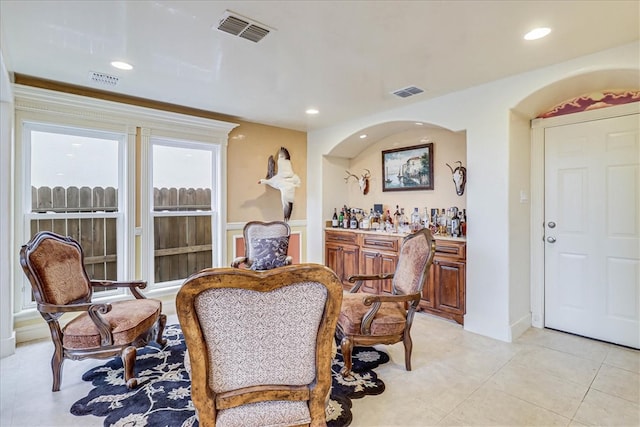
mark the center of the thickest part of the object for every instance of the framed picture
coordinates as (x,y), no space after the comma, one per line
(408,168)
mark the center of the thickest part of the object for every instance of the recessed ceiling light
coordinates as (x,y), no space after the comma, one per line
(537,33)
(363,136)
(312,111)
(121,65)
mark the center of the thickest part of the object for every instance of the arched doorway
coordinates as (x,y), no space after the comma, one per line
(540,224)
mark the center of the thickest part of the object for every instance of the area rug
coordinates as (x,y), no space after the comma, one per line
(163,395)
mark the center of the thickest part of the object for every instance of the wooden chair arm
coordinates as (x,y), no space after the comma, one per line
(133,286)
(370,299)
(44,307)
(375,301)
(95,311)
(239,260)
(359,279)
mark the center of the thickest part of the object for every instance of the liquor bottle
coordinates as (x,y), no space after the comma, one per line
(396,219)
(415,220)
(463,223)
(442,223)
(353,220)
(455,223)
(404,221)
(341,219)
(347,219)
(374,221)
(334,220)
(425,218)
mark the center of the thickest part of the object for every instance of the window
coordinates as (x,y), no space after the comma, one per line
(73,187)
(184,210)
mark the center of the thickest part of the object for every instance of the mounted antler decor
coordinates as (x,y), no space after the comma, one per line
(459,177)
(363,181)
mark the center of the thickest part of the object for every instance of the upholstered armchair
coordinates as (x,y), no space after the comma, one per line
(55,267)
(368,319)
(265,245)
(260,343)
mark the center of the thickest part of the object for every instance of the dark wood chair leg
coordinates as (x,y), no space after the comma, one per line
(162,321)
(346,347)
(56,369)
(129,362)
(408,346)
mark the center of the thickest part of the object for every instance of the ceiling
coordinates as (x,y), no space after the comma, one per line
(342,57)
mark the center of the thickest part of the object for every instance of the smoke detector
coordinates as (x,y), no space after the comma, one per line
(407,91)
(240,26)
(103,79)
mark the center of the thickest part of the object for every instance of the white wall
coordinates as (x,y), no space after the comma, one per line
(484,112)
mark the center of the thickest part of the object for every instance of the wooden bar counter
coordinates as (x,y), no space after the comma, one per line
(349,252)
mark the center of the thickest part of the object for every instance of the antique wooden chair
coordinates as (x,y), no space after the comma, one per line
(368,319)
(55,267)
(265,245)
(260,343)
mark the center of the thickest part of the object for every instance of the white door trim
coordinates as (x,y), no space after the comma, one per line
(537,193)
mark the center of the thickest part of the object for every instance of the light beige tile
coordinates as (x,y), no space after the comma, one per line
(624,358)
(490,407)
(481,363)
(566,343)
(380,412)
(575,423)
(601,409)
(436,385)
(618,382)
(539,388)
(562,365)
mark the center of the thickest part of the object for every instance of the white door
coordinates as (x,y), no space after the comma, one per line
(592,229)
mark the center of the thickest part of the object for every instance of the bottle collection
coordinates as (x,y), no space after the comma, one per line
(444,222)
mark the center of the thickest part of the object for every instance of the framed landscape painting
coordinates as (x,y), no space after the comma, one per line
(408,168)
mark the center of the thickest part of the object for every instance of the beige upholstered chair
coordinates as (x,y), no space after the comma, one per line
(368,319)
(265,245)
(55,267)
(259,344)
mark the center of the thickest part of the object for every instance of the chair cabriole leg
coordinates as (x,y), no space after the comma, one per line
(56,369)
(162,321)
(129,361)
(408,346)
(346,347)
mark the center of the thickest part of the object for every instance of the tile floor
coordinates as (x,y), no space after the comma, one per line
(545,378)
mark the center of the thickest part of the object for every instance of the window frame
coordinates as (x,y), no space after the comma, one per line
(216,212)
(27,126)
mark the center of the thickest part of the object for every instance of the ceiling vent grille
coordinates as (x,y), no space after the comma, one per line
(103,79)
(407,91)
(240,26)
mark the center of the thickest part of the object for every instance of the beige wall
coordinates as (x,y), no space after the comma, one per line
(448,147)
(250,145)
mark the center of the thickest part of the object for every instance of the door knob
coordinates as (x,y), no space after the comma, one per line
(551,239)
(551,224)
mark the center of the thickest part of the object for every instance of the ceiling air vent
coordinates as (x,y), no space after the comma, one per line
(240,26)
(103,79)
(407,91)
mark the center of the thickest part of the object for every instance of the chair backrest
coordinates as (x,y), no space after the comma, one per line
(266,243)
(416,256)
(54,265)
(269,333)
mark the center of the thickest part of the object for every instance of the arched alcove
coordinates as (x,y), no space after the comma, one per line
(527,171)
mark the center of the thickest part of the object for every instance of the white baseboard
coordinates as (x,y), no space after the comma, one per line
(8,346)
(518,328)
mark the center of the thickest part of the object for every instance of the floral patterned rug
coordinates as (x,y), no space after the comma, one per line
(163,395)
